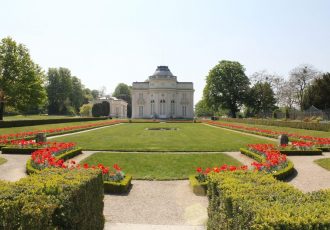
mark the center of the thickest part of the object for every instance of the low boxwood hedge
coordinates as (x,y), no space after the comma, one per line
(290,124)
(19,123)
(65,156)
(250,200)
(53,199)
(198,188)
(281,174)
(302,152)
(118,187)
(12,150)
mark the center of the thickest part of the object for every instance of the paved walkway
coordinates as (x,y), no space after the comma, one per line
(310,176)
(14,168)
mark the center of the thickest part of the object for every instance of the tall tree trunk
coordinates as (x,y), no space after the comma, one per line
(2,109)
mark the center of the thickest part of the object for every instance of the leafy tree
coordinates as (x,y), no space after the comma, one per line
(95,93)
(123,92)
(21,80)
(226,86)
(85,110)
(318,93)
(300,78)
(66,93)
(261,98)
(202,109)
(101,109)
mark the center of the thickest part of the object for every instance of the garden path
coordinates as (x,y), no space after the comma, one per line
(14,168)
(310,176)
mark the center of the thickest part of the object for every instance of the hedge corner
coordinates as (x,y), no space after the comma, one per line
(198,188)
(121,187)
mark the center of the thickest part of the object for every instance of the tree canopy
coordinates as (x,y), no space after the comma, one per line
(318,93)
(123,92)
(21,80)
(202,109)
(226,86)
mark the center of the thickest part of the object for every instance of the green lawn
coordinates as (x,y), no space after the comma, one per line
(2,160)
(160,166)
(285,129)
(41,127)
(324,163)
(188,137)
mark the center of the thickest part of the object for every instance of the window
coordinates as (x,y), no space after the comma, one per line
(162,107)
(172,107)
(184,110)
(140,111)
(152,106)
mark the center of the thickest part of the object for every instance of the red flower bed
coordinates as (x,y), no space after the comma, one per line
(202,174)
(317,141)
(7,138)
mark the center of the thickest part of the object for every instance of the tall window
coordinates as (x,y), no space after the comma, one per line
(152,107)
(172,107)
(184,110)
(140,111)
(162,107)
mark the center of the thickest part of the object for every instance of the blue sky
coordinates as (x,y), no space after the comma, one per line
(105,42)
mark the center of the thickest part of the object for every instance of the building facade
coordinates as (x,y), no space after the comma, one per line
(163,97)
(118,107)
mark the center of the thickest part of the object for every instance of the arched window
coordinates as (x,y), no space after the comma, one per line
(152,106)
(172,107)
(162,107)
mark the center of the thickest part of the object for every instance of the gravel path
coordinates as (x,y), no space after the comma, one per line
(240,157)
(171,204)
(310,176)
(14,168)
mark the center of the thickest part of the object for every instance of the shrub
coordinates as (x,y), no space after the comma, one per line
(53,199)
(248,200)
(120,187)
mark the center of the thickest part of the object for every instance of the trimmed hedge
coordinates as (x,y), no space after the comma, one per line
(11,150)
(198,188)
(65,156)
(301,152)
(19,123)
(281,174)
(53,199)
(291,124)
(118,187)
(249,200)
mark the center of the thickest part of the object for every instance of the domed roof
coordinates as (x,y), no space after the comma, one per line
(163,71)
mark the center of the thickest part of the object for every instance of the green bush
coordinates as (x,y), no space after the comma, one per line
(198,188)
(290,124)
(53,199)
(19,123)
(118,187)
(249,200)
(11,150)
(301,152)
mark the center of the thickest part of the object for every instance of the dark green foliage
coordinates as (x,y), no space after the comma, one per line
(203,110)
(101,109)
(11,150)
(118,187)
(261,98)
(19,123)
(226,86)
(249,200)
(318,94)
(123,92)
(53,199)
(302,152)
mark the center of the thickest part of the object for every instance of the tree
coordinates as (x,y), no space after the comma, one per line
(261,98)
(301,77)
(21,80)
(101,109)
(95,94)
(226,86)
(65,92)
(85,110)
(202,110)
(123,92)
(318,93)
